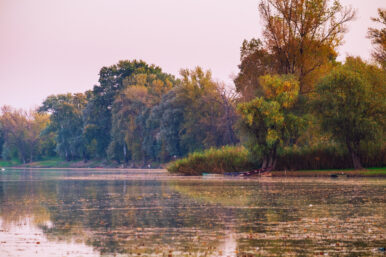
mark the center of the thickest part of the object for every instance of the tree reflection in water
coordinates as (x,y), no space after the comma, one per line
(173,216)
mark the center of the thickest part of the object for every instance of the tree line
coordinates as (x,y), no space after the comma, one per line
(136,115)
(291,93)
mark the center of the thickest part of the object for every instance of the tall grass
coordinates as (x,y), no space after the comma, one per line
(217,161)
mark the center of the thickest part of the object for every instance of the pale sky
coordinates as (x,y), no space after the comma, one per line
(58,46)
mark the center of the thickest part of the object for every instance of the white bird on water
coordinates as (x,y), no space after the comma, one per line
(2,169)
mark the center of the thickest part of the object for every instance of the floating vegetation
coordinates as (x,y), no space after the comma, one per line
(140,215)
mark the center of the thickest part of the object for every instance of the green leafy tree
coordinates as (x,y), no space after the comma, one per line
(351,104)
(269,122)
(195,115)
(97,114)
(66,116)
(130,104)
(201,101)
(129,114)
(167,119)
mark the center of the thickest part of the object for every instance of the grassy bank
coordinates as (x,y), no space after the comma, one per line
(11,163)
(310,162)
(217,161)
(57,163)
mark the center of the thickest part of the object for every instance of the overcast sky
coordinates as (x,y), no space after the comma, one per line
(58,46)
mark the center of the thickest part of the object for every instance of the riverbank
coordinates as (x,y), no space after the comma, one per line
(59,163)
(371,172)
(56,163)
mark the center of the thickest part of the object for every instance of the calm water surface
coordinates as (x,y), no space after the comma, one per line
(150,213)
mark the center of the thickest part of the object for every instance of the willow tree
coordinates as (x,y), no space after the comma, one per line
(130,110)
(66,116)
(300,37)
(97,114)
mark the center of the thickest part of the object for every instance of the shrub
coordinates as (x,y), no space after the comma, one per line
(217,161)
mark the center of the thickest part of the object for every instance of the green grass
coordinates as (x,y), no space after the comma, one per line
(375,171)
(45,162)
(4,163)
(57,162)
(48,162)
(54,162)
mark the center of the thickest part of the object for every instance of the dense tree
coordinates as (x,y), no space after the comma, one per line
(195,115)
(22,132)
(351,103)
(67,123)
(378,38)
(203,111)
(166,119)
(129,113)
(269,122)
(300,37)
(298,47)
(97,114)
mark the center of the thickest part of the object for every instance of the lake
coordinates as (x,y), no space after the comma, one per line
(152,213)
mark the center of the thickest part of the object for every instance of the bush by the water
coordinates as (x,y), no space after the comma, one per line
(238,159)
(326,156)
(217,161)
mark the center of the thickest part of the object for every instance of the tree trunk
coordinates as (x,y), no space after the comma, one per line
(67,156)
(125,159)
(355,157)
(84,156)
(265,162)
(356,161)
(272,159)
(274,164)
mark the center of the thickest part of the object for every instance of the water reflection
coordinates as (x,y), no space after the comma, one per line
(87,213)
(24,238)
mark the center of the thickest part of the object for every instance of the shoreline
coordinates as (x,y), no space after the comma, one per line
(372,172)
